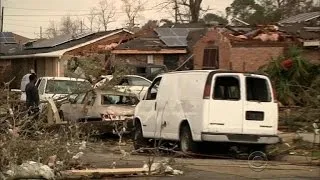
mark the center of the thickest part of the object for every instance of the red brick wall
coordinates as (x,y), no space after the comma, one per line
(212,38)
(312,55)
(251,58)
(248,56)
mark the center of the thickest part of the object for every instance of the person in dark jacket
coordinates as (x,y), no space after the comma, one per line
(32,94)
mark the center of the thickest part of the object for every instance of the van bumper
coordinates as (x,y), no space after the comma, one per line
(240,138)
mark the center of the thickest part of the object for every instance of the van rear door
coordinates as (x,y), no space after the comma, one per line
(226,104)
(260,114)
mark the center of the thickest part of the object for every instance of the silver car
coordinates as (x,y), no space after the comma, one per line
(101,108)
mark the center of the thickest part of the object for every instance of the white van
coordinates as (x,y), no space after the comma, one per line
(208,105)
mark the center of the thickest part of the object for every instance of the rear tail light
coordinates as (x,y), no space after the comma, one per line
(206,93)
(207,87)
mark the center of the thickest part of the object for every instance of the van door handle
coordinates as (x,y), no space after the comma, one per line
(155,106)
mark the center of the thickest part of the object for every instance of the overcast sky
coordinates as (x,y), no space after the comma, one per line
(18,13)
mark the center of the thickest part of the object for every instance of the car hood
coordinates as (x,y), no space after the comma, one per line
(118,110)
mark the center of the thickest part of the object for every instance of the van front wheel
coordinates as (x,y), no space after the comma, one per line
(186,142)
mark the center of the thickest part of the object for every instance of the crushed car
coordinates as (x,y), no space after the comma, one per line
(135,84)
(102,110)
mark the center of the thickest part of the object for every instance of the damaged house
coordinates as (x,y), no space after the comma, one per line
(161,46)
(50,57)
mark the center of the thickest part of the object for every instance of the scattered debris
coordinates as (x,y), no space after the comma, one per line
(31,170)
(78,155)
(52,161)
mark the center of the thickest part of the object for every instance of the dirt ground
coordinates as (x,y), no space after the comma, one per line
(106,153)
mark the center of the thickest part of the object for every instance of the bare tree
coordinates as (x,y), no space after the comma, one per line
(70,26)
(52,30)
(185,10)
(132,8)
(105,12)
(92,18)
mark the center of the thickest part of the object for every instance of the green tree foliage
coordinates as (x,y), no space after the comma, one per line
(268,11)
(215,17)
(297,85)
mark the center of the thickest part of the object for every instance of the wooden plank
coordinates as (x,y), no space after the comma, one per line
(162,51)
(103,171)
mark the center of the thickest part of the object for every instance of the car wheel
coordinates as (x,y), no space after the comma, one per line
(138,140)
(186,142)
(61,115)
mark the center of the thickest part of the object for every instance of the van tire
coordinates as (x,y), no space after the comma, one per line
(186,142)
(138,140)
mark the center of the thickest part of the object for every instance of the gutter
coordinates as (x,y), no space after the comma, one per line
(60,53)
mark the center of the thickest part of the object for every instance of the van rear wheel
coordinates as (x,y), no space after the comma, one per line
(138,140)
(186,142)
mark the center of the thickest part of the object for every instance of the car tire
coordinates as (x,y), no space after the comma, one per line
(187,144)
(61,115)
(138,140)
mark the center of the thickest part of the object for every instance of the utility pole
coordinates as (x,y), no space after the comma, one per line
(40,32)
(81,26)
(1,16)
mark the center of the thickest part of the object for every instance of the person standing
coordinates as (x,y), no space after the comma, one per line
(24,82)
(32,95)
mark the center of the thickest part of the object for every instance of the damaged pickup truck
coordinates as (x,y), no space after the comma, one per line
(101,110)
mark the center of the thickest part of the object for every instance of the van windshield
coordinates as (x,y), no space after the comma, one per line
(66,86)
(257,89)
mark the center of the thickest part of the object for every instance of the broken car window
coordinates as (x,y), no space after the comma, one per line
(226,88)
(136,81)
(153,89)
(257,89)
(66,86)
(118,99)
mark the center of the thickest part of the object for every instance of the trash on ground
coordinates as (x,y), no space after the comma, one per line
(31,170)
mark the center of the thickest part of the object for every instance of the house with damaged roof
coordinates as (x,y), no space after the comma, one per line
(160,46)
(50,57)
(180,48)
(241,48)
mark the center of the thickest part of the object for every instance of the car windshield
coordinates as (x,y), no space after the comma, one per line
(136,81)
(66,86)
(108,99)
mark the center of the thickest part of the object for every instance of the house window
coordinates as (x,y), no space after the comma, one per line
(171,61)
(150,59)
(210,58)
(226,88)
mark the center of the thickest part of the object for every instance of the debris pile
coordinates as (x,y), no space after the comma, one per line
(31,170)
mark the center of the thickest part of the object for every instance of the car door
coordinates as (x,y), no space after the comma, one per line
(72,111)
(146,111)
(226,106)
(89,106)
(260,111)
(94,106)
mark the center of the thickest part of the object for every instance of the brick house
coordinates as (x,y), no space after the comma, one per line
(214,49)
(50,57)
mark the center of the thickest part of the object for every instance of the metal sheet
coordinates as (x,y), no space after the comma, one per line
(301,17)
(174,41)
(174,37)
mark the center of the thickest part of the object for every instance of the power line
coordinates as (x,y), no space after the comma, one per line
(117,12)
(27,9)
(19,20)
(20,25)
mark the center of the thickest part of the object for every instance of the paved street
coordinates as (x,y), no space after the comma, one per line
(209,168)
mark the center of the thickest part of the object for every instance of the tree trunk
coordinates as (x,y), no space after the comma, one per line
(195,7)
